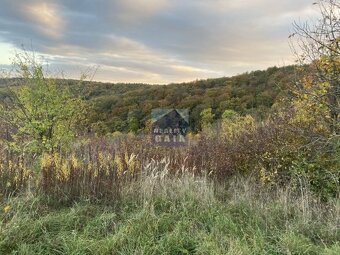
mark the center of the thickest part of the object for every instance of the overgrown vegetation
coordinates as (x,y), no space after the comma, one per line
(181,214)
(260,173)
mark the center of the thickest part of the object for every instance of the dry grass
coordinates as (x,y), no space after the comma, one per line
(96,169)
(163,213)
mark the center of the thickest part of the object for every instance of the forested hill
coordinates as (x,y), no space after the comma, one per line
(127,107)
(124,107)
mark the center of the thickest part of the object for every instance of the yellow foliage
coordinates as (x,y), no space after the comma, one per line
(267,177)
(119,163)
(46,160)
(232,128)
(131,163)
(7,208)
(74,161)
(65,170)
(310,105)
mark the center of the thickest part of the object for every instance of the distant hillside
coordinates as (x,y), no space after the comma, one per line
(127,107)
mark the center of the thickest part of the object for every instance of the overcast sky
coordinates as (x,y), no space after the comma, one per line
(152,41)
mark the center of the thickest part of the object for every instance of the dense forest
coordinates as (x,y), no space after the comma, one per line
(127,107)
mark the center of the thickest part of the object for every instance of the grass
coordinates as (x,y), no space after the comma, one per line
(182,214)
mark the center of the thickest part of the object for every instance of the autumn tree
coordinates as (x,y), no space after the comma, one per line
(41,114)
(319,47)
(207,118)
(312,123)
(132,121)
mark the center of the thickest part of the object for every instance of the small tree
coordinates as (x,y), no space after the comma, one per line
(133,122)
(234,125)
(316,100)
(42,115)
(319,45)
(207,118)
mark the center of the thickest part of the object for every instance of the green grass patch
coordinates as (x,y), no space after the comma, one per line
(176,219)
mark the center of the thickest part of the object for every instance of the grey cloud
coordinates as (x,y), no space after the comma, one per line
(159,40)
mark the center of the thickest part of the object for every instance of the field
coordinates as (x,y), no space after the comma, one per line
(160,214)
(109,196)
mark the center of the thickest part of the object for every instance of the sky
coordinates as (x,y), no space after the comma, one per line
(151,41)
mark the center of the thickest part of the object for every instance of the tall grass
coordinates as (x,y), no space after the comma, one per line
(15,174)
(215,196)
(96,169)
(164,213)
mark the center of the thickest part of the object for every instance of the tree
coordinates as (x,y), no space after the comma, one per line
(234,124)
(42,114)
(207,118)
(230,115)
(313,120)
(133,122)
(319,45)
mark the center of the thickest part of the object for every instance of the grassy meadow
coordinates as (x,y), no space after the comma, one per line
(181,214)
(128,196)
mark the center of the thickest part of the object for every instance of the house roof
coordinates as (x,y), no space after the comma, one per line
(172,119)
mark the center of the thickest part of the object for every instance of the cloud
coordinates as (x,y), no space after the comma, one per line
(136,10)
(156,41)
(45,16)
(130,57)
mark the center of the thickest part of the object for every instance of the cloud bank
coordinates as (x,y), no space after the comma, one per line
(153,41)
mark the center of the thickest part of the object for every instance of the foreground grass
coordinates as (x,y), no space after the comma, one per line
(183,215)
